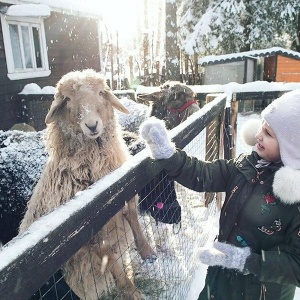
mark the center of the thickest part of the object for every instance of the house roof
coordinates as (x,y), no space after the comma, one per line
(72,7)
(226,58)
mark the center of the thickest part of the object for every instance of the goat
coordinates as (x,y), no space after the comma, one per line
(173,103)
(84,144)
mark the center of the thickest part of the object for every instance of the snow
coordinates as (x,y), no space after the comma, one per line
(232,87)
(29,10)
(228,89)
(252,53)
(43,8)
(138,112)
(33,88)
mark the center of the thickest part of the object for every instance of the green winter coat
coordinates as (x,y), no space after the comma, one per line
(251,216)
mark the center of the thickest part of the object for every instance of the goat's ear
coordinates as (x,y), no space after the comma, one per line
(116,102)
(56,104)
(156,96)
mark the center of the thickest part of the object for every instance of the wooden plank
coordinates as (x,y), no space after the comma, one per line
(212,147)
(52,247)
(241,96)
(234,114)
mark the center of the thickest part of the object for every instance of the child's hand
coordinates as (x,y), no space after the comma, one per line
(225,255)
(154,132)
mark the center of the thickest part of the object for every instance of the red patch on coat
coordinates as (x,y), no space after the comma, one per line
(270,199)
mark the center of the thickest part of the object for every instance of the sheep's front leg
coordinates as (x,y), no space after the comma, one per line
(142,245)
(125,286)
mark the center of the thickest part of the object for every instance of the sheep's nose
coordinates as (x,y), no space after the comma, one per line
(92,128)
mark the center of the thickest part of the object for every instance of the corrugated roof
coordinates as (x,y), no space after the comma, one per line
(226,58)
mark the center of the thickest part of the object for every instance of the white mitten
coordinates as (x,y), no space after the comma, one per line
(225,255)
(154,132)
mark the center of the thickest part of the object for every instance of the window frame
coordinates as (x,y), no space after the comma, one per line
(30,22)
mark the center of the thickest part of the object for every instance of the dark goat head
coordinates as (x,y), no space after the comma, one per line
(173,103)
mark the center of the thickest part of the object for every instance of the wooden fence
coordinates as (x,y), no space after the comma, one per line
(29,261)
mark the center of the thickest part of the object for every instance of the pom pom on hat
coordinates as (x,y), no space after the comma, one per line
(283,115)
(248,131)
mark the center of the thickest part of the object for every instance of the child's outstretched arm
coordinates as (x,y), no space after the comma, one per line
(154,132)
(189,171)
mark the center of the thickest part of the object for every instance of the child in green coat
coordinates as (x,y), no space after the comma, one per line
(257,252)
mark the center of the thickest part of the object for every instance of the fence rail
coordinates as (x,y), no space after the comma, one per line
(28,261)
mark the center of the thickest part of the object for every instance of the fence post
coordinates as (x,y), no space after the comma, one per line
(227,130)
(234,114)
(213,149)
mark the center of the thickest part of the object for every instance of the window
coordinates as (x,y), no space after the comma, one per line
(25,47)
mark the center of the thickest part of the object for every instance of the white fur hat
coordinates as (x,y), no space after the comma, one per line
(283,116)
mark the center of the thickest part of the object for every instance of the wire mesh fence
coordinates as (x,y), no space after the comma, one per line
(65,256)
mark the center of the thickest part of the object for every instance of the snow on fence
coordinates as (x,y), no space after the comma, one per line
(30,264)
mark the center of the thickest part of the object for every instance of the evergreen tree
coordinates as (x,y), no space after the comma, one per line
(172,50)
(227,26)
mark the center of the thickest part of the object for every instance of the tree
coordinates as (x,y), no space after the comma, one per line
(227,26)
(172,50)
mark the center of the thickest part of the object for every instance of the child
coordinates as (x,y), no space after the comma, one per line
(257,252)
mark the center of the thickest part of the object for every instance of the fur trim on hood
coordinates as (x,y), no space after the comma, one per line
(286,185)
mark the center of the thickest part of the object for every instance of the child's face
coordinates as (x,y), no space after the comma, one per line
(267,143)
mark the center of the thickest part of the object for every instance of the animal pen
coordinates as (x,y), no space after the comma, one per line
(30,265)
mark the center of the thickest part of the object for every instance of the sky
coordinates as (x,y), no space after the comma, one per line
(118,15)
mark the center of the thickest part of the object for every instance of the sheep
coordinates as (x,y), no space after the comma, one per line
(173,103)
(85,144)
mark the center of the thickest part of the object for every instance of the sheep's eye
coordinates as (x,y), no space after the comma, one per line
(67,99)
(101,93)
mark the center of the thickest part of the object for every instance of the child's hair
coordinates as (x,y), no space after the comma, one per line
(283,116)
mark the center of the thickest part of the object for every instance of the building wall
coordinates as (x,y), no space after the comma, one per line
(72,44)
(270,68)
(288,69)
(224,73)
(250,70)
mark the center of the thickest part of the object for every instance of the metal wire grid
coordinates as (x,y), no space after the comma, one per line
(170,275)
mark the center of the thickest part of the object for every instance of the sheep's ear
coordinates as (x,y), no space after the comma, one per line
(56,104)
(115,102)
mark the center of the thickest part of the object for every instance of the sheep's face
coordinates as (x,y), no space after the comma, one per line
(83,103)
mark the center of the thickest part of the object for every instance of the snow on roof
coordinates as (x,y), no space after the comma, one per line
(225,58)
(73,7)
(29,10)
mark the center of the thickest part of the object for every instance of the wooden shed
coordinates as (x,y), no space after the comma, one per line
(38,44)
(272,64)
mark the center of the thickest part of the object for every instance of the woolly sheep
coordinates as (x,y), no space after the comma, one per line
(85,144)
